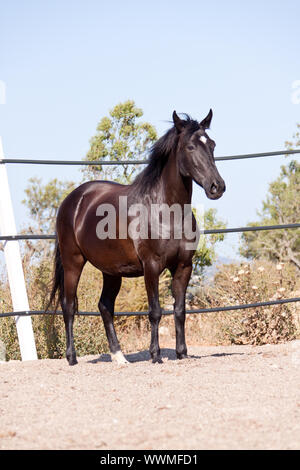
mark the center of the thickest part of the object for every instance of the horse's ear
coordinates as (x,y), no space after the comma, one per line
(178,123)
(206,121)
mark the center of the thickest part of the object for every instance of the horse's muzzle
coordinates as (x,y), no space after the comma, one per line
(216,189)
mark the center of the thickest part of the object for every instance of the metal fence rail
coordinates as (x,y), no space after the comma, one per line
(205,232)
(165,312)
(136,162)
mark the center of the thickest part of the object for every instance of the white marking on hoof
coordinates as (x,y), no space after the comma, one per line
(119,358)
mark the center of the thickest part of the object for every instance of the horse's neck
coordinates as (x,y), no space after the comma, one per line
(174,188)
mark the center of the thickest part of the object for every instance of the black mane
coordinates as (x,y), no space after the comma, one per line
(159,156)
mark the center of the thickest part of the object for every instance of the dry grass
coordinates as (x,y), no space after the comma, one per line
(249,283)
(232,285)
(89,334)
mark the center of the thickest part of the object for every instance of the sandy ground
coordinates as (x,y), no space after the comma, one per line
(239,397)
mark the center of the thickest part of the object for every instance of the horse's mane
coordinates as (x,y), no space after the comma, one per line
(159,156)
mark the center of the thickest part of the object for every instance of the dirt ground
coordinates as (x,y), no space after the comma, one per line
(238,397)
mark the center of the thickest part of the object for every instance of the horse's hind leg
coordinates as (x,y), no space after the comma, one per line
(111,288)
(69,303)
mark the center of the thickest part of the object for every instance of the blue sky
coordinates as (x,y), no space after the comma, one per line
(66,63)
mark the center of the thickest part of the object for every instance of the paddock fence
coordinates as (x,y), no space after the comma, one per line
(205,232)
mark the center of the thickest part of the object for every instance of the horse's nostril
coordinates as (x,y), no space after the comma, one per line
(213,188)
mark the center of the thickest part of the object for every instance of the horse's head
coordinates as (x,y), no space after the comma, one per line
(196,155)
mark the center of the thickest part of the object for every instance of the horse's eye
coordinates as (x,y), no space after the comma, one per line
(191,147)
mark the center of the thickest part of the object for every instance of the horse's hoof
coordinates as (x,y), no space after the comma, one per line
(72,361)
(157,360)
(182,356)
(119,358)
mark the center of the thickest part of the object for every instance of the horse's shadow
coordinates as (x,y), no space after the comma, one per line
(166,353)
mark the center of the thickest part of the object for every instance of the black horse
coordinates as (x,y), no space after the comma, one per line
(185,153)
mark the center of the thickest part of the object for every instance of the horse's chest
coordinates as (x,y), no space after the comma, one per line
(163,251)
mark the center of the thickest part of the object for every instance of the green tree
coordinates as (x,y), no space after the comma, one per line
(43,201)
(120,136)
(205,254)
(282,206)
(292,144)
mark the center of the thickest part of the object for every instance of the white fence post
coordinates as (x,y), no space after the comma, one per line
(14,268)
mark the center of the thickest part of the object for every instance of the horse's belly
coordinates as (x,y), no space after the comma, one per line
(115,257)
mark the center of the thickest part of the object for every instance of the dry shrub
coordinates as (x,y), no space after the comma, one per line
(89,333)
(250,283)
(295,310)
(232,285)
(49,330)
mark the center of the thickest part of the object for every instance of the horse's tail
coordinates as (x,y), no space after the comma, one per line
(58,280)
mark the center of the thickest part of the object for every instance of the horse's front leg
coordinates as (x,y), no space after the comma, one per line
(151,275)
(181,277)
